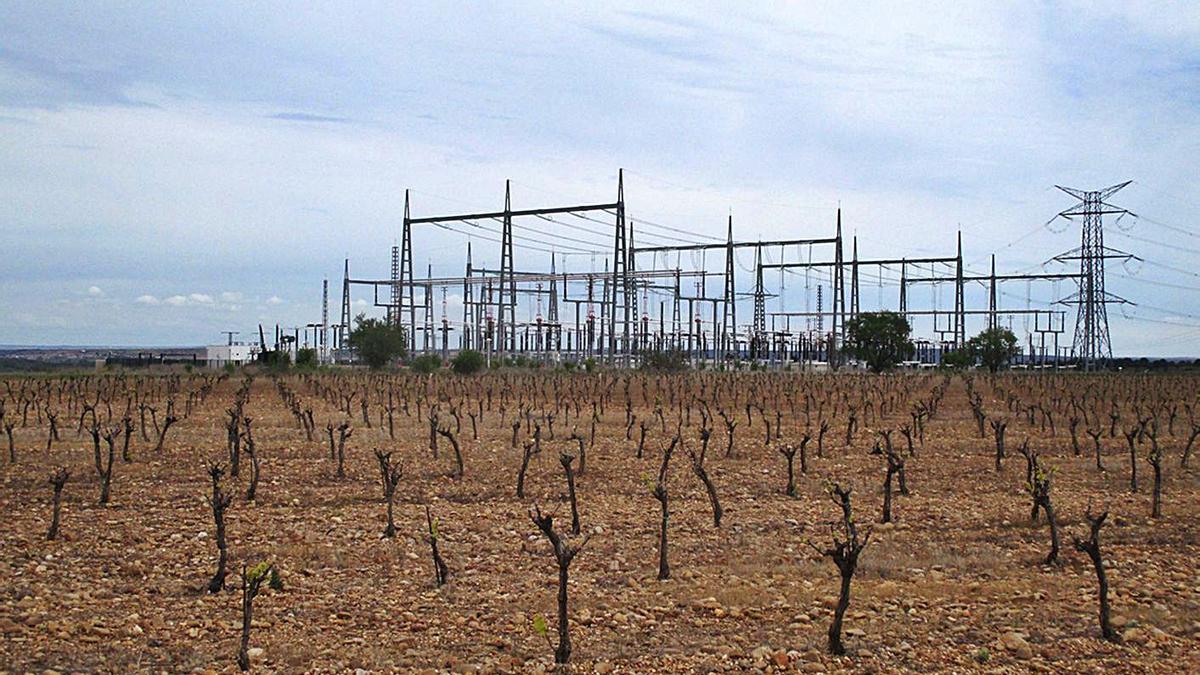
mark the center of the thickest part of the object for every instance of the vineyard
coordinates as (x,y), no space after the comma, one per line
(606,522)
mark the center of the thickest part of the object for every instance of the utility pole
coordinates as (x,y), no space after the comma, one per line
(445,328)
(618,274)
(992,296)
(631,296)
(469,310)
(1092,343)
(324,346)
(960,317)
(229,334)
(507,316)
(392,318)
(406,279)
(760,306)
(838,327)
(854,306)
(344,333)
(728,337)
(552,315)
(427,339)
(675,308)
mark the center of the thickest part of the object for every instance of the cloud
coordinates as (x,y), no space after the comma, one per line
(308,117)
(915,123)
(95,291)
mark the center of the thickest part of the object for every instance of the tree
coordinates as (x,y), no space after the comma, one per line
(440,570)
(57,480)
(391,477)
(702,474)
(252,581)
(376,342)
(880,339)
(847,546)
(219,501)
(564,551)
(659,490)
(1091,546)
(994,347)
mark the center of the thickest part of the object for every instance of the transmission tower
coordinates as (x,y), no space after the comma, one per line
(1092,344)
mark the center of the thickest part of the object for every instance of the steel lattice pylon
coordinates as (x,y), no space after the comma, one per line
(392,318)
(1092,345)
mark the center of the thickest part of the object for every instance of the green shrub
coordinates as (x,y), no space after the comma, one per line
(670,360)
(275,359)
(957,359)
(468,362)
(425,364)
(306,357)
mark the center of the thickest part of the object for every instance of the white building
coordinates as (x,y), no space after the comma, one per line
(218,356)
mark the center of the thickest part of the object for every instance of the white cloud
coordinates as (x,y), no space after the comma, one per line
(201,298)
(274,300)
(95,291)
(146,300)
(231,297)
(176,300)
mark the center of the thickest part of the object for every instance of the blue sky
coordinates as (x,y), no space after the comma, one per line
(170,171)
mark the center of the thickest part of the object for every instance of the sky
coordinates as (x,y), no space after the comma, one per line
(169,171)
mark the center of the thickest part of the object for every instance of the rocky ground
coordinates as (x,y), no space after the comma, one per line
(956,584)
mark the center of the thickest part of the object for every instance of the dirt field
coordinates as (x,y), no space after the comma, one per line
(956,583)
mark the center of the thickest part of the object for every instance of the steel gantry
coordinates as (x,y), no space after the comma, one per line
(620,312)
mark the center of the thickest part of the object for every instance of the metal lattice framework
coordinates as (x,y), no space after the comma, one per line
(1092,345)
(637,303)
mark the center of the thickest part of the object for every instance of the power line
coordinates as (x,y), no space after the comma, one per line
(736,201)
(1175,228)
(1171,268)
(1174,247)
(668,228)
(1163,284)
(449,228)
